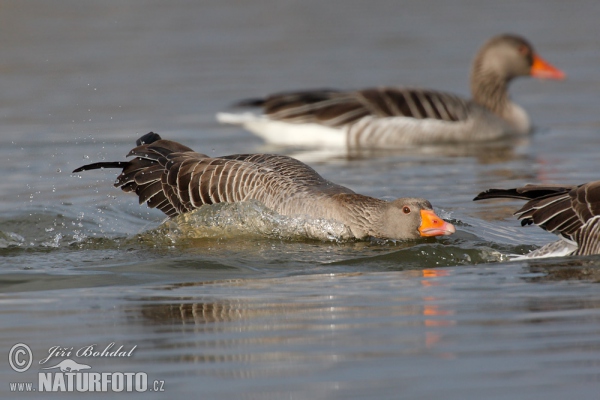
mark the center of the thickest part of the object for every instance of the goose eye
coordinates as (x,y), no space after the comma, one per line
(524,50)
(406,210)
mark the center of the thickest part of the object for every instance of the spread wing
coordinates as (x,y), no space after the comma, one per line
(336,108)
(175,179)
(559,209)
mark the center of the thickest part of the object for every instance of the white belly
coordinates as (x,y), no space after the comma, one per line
(285,133)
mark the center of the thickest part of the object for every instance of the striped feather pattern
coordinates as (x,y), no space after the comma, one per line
(571,211)
(588,237)
(337,109)
(397,117)
(176,180)
(182,182)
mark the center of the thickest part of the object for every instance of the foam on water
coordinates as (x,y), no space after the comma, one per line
(10,239)
(254,219)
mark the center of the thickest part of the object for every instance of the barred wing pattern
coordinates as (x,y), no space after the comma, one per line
(571,211)
(179,181)
(336,108)
(588,237)
(176,180)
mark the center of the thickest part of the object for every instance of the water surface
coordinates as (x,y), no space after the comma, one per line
(262,313)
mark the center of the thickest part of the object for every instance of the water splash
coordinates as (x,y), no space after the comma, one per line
(54,242)
(10,239)
(254,219)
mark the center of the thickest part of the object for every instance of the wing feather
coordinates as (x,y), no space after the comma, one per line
(572,211)
(336,108)
(174,179)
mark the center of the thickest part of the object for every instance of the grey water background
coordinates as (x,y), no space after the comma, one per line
(239,315)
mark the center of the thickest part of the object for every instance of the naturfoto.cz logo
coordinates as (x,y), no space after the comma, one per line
(69,375)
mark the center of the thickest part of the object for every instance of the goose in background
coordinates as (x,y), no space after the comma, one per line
(397,117)
(572,212)
(175,179)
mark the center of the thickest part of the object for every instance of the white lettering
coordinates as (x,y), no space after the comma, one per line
(85,351)
(45,381)
(129,376)
(21,387)
(82,382)
(89,382)
(59,383)
(131,351)
(106,349)
(57,351)
(70,376)
(141,382)
(106,380)
(118,382)
(94,385)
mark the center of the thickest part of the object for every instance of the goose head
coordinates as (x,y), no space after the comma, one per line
(412,218)
(506,57)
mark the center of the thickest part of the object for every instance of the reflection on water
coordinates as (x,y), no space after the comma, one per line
(348,334)
(485,153)
(253,323)
(260,330)
(566,269)
(231,314)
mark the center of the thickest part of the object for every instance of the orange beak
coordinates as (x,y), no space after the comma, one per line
(544,70)
(432,225)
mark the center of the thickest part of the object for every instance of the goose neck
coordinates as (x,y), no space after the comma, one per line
(490,91)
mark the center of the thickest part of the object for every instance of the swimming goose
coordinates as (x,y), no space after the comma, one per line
(175,179)
(573,212)
(395,117)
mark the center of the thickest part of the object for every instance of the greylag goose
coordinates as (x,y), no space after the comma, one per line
(572,212)
(175,179)
(396,117)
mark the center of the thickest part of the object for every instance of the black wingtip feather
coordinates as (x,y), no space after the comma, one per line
(99,165)
(527,192)
(148,138)
(499,193)
(254,102)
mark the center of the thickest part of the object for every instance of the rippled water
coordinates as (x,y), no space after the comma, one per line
(238,302)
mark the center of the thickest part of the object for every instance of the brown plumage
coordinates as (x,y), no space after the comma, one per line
(570,211)
(399,116)
(337,108)
(175,179)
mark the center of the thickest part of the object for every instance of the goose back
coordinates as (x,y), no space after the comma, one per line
(336,108)
(176,180)
(179,181)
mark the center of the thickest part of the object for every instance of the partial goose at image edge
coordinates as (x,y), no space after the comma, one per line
(571,212)
(176,180)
